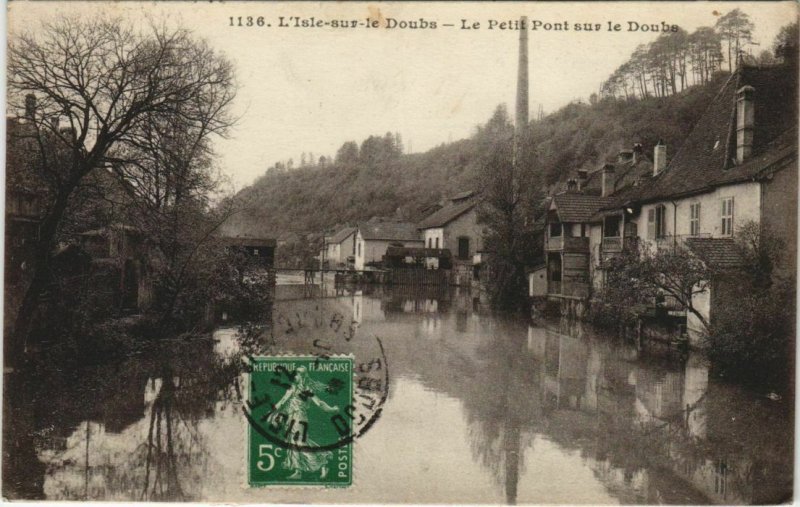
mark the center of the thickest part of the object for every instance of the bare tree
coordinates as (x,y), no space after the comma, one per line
(112,84)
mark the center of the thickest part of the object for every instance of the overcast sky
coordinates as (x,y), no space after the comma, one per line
(312,89)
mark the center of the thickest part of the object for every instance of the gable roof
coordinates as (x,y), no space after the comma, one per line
(718,253)
(576,208)
(707,157)
(342,235)
(389,231)
(446,215)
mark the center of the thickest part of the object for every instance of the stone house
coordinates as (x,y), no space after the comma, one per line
(455,227)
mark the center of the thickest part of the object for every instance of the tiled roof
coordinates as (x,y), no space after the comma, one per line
(446,215)
(389,231)
(576,208)
(625,174)
(717,253)
(342,235)
(706,158)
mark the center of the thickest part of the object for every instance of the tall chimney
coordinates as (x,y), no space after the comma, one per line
(745,119)
(522,75)
(659,157)
(607,180)
(30,106)
(521,113)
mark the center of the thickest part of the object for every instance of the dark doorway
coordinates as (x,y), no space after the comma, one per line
(463,248)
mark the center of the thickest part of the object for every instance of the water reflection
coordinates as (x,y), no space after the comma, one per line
(481,409)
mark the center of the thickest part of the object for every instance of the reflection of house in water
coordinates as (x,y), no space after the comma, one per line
(366,309)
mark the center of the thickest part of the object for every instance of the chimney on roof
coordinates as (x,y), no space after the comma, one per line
(624,156)
(572,185)
(607,180)
(638,151)
(583,175)
(659,157)
(745,120)
(30,106)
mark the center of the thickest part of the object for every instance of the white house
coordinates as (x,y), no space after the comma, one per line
(373,238)
(737,166)
(340,247)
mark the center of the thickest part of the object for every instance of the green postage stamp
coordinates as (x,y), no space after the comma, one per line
(300,414)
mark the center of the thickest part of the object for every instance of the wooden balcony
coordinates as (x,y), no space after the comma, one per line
(612,245)
(567,244)
(569,289)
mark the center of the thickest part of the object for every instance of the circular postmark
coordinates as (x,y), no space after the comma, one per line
(326,387)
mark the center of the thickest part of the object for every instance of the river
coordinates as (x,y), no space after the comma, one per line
(480,409)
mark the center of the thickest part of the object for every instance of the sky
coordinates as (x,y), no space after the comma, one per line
(311,89)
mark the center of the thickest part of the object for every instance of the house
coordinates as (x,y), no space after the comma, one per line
(571,224)
(340,248)
(738,166)
(374,237)
(455,227)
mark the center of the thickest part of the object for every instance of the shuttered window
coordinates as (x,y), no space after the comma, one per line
(651,223)
(727,216)
(694,219)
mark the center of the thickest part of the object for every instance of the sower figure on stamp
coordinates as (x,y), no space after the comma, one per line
(294,404)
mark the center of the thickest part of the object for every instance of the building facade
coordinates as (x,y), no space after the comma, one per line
(373,238)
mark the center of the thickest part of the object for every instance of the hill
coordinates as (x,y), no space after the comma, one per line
(376,179)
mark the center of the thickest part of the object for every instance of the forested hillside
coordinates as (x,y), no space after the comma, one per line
(377,179)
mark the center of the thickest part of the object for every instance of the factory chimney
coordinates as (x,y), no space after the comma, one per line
(522,77)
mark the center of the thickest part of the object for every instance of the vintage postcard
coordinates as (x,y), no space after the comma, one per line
(400,252)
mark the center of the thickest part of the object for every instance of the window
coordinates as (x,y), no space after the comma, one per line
(430,242)
(437,242)
(359,249)
(727,216)
(657,222)
(463,248)
(694,219)
(612,227)
(555,229)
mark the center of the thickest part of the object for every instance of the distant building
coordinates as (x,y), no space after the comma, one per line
(340,249)
(455,227)
(373,238)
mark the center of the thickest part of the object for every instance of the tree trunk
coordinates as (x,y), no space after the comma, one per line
(41,271)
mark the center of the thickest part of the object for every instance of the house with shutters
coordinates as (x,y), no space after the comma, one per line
(738,166)
(572,225)
(454,227)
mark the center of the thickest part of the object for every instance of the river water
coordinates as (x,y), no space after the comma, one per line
(480,409)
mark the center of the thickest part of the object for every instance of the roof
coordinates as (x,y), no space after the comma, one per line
(446,215)
(342,235)
(576,208)
(707,157)
(719,253)
(389,231)
(626,173)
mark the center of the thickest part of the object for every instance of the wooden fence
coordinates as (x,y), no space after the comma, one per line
(419,276)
